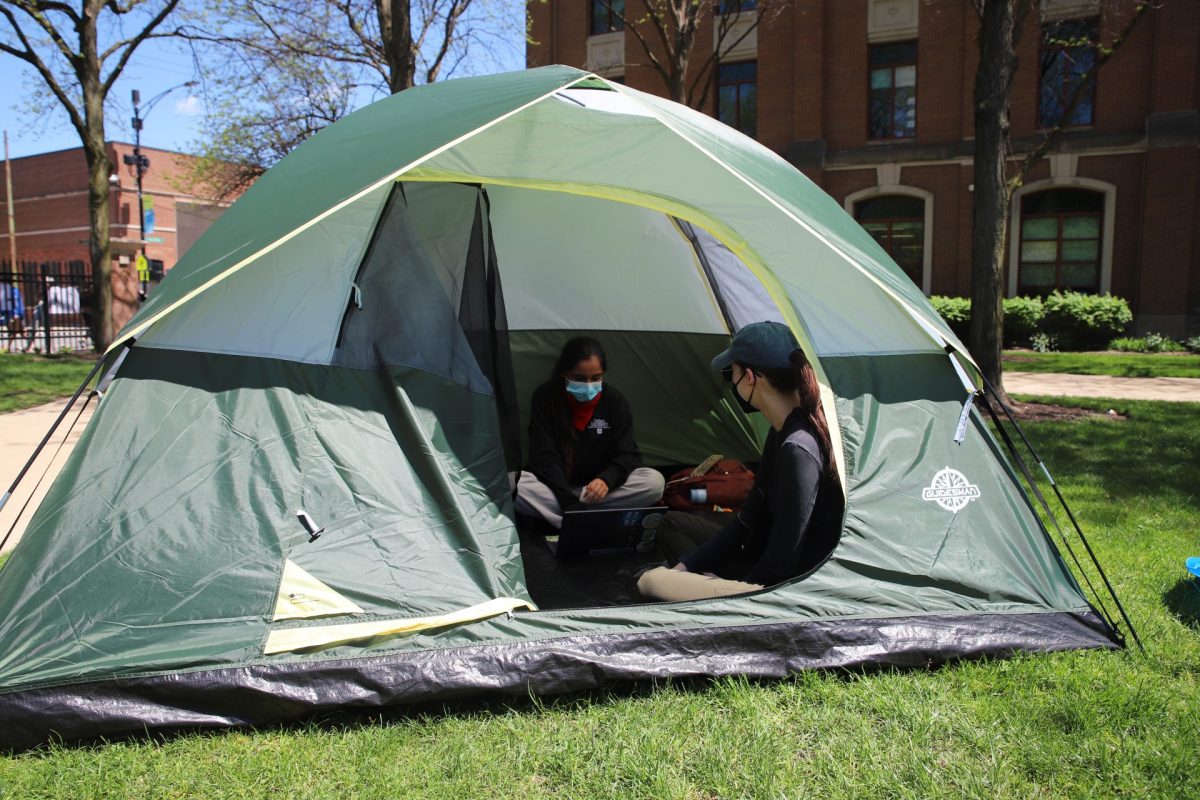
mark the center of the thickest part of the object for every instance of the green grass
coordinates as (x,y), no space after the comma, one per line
(1080,724)
(1121,365)
(27,381)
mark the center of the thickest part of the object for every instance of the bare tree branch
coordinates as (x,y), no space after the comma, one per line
(133,43)
(30,56)
(1052,136)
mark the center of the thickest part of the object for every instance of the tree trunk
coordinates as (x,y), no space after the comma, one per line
(99,168)
(993,80)
(395,28)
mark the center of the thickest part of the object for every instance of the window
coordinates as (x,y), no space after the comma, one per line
(1060,241)
(737,96)
(897,222)
(1068,53)
(607,16)
(893,101)
(734,6)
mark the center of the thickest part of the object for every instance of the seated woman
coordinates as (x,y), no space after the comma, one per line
(581,448)
(792,518)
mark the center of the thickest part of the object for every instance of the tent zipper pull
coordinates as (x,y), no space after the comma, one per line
(356,296)
(960,433)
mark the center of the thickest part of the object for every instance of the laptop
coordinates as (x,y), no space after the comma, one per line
(608,531)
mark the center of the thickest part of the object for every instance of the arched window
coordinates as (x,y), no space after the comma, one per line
(897,222)
(1061,235)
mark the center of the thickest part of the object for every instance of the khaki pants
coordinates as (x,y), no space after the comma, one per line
(672,584)
(643,487)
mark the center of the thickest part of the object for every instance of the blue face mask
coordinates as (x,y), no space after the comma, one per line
(583,391)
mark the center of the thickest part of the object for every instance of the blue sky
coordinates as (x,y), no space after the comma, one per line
(172,124)
(156,66)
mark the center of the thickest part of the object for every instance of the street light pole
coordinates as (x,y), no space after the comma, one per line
(140,163)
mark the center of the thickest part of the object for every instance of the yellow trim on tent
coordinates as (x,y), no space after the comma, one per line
(289,639)
(301,596)
(723,233)
(624,91)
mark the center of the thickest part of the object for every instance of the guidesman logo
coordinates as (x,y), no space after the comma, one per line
(951,490)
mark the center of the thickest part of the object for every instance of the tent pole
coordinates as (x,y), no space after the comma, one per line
(1070,514)
(1041,498)
(99,363)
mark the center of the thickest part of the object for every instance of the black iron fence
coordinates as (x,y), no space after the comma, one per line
(46,306)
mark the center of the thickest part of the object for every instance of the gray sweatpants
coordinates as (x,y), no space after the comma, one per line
(643,487)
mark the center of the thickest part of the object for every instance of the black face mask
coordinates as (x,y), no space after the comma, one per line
(742,403)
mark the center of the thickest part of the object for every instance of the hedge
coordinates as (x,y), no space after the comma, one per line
(1074,320)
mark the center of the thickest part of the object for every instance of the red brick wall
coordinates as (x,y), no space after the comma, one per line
(51,212)
(813,86)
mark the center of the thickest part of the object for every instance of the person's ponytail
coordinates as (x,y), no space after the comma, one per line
(809,390)
(801,379)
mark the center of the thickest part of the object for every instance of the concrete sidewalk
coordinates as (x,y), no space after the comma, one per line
(1179,390)
(20,431)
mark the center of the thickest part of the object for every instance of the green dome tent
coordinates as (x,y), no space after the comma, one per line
(358,338)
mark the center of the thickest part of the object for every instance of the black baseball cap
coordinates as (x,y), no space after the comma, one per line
(760,344)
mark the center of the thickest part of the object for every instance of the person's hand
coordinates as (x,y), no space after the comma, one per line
(595,491)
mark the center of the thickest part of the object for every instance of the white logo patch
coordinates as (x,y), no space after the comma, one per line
(951,490)
(598,425)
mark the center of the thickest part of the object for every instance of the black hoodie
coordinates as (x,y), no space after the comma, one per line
(604,449)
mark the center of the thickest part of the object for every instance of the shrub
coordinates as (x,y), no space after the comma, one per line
(1021,318)
(1192,344)
(1127,345)
(957,313)
(1084,321)
(1157,343)
(1043,343)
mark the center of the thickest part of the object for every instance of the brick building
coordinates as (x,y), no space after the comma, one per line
(51,214)
(872,99)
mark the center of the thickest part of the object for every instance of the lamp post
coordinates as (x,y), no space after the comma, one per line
(140,163)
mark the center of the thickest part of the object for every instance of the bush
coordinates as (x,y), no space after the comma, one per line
(1043,343)
(1192,344)
(1084,321)
(1150,343)
(1127,345)
(1022,315)
(957,313)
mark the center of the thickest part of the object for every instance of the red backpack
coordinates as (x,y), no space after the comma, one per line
(718,481)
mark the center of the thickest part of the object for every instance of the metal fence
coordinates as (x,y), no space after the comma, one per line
(46,306)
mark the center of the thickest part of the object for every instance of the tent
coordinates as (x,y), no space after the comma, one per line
(357,338)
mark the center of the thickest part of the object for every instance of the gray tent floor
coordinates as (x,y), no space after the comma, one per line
(602,580)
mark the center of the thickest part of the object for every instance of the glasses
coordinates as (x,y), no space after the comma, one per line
(727,374)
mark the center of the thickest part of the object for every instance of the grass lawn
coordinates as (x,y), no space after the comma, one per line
(1080,724)
(1121,365)
(27,381)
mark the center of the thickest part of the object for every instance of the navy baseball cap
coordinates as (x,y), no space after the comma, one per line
(760,344)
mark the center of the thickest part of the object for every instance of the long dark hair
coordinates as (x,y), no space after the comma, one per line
(575,350)
(799,377)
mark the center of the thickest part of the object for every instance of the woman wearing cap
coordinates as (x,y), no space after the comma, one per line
(791,520)
(581,447)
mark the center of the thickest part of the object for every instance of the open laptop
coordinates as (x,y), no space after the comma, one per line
(608,531)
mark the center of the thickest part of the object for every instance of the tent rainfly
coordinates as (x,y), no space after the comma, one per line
(358,337)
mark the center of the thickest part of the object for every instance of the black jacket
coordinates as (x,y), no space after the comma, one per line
(605,449)
(790,521)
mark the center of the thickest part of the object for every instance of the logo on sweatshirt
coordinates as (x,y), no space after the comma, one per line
(951,490)
(598,425)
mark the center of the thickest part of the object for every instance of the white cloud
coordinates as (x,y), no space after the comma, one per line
(189,106)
